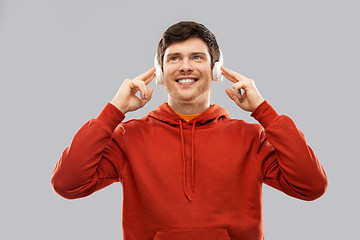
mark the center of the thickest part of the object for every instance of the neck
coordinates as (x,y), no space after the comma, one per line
(188,108)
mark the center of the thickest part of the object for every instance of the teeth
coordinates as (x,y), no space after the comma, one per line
(186,80)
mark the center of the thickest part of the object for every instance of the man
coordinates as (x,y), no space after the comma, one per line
(188,170)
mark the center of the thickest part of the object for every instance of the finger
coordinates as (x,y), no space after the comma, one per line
(139,85)
(229,77)
(232,75)
(238,94)
(148,80)
(149,94)
(229,74)
(233,96)
(146,76)
(240,89)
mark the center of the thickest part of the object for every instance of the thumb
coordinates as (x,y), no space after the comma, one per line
(232,95)
(149,93)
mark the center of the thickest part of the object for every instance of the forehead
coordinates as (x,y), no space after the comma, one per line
(188,46)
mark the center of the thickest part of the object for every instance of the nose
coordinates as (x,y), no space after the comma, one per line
(186,66)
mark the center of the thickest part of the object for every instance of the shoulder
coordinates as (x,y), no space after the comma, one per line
(134,125)
(242,127)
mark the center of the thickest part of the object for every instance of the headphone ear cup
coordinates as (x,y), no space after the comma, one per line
(159,74)
(217,76)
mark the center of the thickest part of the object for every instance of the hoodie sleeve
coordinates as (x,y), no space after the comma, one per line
(287,162)
(93,160)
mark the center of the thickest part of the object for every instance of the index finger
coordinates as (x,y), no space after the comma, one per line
(232,75)
(147,76)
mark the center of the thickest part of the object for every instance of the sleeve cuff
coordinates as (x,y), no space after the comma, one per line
(265,114)
(111,115)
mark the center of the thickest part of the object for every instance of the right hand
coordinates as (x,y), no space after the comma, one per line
(126,100)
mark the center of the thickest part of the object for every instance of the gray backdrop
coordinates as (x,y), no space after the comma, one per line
(61,61)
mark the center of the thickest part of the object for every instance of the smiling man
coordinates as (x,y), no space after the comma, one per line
(188,170)
(187,70)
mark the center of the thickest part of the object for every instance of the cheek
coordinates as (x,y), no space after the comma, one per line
(169,69)
(207,71)
(167,73)
(205,68)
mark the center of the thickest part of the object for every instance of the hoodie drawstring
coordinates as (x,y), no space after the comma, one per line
(192,159)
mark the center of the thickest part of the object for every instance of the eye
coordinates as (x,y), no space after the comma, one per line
(197,57)
(173,59)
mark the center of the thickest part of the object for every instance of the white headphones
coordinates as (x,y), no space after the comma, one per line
(217,77)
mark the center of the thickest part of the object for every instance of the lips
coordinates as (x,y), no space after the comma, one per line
(186,80)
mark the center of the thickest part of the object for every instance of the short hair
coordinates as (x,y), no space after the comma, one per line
(184,30)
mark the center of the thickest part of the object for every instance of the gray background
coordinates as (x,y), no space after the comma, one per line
(62,61)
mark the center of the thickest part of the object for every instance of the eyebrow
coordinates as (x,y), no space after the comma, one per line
(193,53)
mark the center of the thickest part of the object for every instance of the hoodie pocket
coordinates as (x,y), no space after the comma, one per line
(193,234)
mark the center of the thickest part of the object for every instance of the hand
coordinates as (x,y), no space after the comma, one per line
(250,98)
(126,100)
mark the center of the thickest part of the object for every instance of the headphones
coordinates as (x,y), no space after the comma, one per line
(217,77)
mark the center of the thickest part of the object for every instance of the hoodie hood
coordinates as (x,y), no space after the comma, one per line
(213,115)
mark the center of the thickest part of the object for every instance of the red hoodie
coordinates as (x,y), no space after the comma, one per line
(200,179)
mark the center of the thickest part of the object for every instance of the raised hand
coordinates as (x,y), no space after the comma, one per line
(245,93)
(126,100)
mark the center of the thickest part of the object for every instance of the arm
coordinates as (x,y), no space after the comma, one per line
(94,159)
(287,162)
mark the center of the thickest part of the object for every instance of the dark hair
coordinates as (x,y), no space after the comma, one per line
(184,30)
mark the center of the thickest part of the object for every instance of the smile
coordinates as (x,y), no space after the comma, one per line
(187,80)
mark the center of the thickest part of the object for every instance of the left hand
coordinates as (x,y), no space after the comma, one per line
(250,98)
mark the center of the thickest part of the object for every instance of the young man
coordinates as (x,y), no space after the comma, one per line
(188,170)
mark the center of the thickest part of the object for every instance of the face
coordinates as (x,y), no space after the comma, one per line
(187,71)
